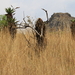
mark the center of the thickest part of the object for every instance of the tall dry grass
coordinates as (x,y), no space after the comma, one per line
(17,57)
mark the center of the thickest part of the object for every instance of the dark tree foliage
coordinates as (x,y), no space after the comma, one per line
(73,29)
(40,27)
(11,21)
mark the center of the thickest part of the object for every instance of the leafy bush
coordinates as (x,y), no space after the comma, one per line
(3,21)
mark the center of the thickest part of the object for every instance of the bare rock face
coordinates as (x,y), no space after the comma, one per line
(60,21)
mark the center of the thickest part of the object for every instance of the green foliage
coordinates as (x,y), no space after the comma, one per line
(11,20)
(3,21)
(9,10)
(73,20)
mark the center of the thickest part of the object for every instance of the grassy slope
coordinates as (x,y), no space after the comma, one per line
(16,58)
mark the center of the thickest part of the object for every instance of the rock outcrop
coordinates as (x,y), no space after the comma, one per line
(60,21)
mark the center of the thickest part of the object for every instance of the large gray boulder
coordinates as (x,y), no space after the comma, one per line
(60,21)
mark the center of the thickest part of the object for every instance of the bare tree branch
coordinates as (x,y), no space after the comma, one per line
(27,25)
(46,14)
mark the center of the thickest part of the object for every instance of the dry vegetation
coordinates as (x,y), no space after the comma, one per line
(18,58)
